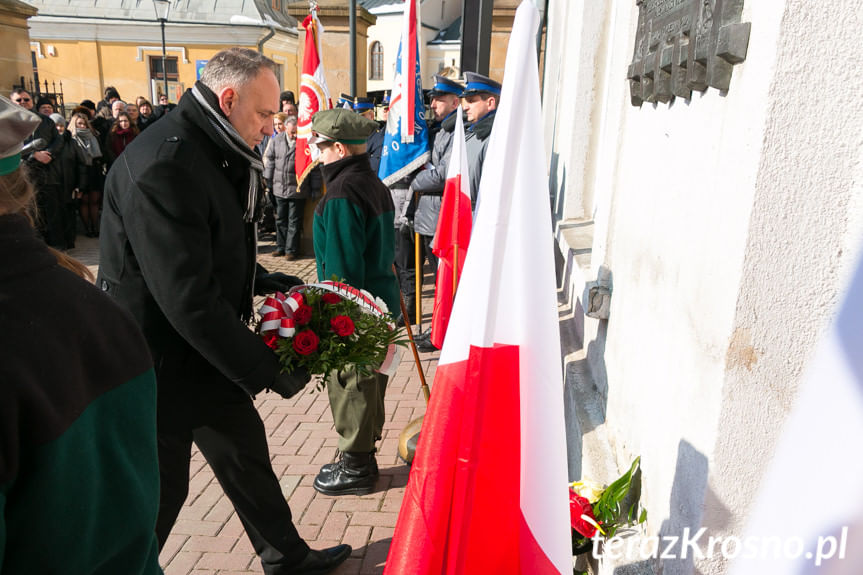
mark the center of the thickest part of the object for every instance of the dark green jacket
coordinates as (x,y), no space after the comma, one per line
(354,236)
(79,476)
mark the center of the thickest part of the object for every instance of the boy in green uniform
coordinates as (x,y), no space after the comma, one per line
(354,241)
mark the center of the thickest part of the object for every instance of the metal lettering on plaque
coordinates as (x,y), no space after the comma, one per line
(685,45)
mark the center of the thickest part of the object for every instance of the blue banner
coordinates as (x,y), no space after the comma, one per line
(400,157)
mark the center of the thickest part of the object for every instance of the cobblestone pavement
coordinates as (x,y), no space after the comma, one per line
(208,538)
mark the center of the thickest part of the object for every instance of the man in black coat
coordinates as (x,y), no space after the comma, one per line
(178,250)
(44,172)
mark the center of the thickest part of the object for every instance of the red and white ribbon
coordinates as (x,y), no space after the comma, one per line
(367,302)
(277,313)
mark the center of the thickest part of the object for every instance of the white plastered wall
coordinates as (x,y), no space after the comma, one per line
(728,223)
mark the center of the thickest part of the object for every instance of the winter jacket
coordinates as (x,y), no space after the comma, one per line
(73,162)
(374,148)
(176,252)
(79,472)
(476,143)
(430,183)
(118,141)
(279,170)
(40,174)
(354,237)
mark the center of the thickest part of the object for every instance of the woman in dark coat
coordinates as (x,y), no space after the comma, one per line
(73,168)
(89,189)
(121,135)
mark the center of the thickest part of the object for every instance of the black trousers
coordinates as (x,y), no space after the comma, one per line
(289,224)
(232,438)
(49,221)
(405,261)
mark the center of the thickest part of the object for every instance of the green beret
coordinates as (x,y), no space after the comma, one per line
(341,125)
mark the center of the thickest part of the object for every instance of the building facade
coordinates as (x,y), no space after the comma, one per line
(15,59)
(91,45)
(708,234)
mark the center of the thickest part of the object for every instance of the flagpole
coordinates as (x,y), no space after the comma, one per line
(418,281)
(454,270)
(423,383)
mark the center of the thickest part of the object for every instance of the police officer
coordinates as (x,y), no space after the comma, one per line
(354,241)
(427,187)
(480,100)
(365,107)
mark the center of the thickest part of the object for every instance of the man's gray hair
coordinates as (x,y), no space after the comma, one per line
(291,120)
(234,68)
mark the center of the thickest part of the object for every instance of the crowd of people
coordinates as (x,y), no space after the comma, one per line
(70,154)
(178,270)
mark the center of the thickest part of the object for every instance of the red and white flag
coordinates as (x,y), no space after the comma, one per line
(488,487)
(314,95)
(452,234)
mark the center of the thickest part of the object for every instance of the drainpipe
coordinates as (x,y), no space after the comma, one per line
(542,6)
(352,24)
(265,38)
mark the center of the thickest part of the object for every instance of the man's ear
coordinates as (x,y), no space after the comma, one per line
(492,104)
(228,100)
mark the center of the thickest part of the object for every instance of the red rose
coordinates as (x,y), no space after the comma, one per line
(305,342)
(331,298)
(272,340)
(579,506)
(342,325)
(303,315)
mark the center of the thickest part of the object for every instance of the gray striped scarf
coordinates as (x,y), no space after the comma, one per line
(235,142)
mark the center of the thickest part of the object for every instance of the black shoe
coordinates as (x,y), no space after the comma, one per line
(323,561)
(425,345)
(373,464)
(352,474)
(424,336)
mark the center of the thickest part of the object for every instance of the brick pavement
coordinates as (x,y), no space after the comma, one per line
(208,538)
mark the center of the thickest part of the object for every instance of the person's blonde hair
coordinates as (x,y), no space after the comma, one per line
(83,116)
(17,197)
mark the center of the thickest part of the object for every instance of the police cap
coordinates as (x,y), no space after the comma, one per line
(477,84)
(444,86)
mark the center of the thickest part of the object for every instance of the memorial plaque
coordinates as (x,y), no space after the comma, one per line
(685,45)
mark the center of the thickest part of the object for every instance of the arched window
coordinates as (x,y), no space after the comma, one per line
(376,65)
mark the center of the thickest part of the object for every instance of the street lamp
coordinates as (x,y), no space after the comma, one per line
(162,8)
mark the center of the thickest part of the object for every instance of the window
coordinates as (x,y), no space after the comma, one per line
(156,68)
(376,66)
(35,73)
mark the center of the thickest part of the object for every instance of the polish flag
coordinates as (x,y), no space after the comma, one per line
(452,234)
(488,487)
(314,95)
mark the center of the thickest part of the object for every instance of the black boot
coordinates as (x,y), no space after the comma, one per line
(352,474)
(373,464)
